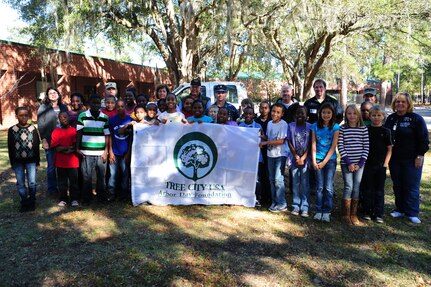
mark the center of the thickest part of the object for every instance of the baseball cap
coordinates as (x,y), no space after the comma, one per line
(110,85)
(220,89)
(370,91)
(195,82)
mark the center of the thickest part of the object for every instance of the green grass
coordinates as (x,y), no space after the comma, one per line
(121,245)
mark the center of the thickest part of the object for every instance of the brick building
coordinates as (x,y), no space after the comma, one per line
(26,72)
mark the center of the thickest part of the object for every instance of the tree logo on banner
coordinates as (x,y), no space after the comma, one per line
(195,155)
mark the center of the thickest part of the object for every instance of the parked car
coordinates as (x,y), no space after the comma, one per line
(236,91)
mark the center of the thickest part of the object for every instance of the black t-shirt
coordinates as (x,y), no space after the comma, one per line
(380,139)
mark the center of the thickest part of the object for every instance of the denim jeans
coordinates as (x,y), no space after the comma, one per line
(51,177)
(325,187)
(300,187)
(276,179)
(373,190)
(119,166)
(23,171)
(68,180)
(407,180)
(88,164)
(352,182)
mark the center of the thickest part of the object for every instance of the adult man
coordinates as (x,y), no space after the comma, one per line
(195,93)
(289,103)
(313,104)
(221,93)
(370,95)
(110,90)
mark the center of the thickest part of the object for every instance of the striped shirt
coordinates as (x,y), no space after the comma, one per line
(353,145)
(94,131)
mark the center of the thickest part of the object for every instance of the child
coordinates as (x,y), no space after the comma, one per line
(299,138)
(109,110)
(373,179)
(187,107)
(353,149)
(23,147)
(198,113)
(365,112)
(77,107)
(171,114)
(66,161)
(250,123)
(129,100)
(324,138)
(212,112)
(161,105)
(118,146)
(275,136)
(245,103)
(141,100)
(263,120)
(223,117)
(92,138)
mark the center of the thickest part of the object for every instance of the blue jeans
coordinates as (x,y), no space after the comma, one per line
(276,179)
(407,181)
(88,163)
(325,187)
(51,176)
(119,166)
(352,182)
(23,171)
(300,187)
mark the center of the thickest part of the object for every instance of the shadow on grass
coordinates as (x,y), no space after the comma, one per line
(117,244)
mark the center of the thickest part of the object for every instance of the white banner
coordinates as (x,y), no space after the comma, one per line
(194,164)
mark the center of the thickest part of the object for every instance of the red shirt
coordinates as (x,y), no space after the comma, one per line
(64,137)
(110,114)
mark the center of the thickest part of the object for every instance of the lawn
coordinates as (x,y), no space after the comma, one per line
(117,244)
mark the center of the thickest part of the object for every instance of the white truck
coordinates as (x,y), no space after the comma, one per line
(236,91)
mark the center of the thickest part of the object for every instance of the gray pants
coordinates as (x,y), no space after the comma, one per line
(88,164)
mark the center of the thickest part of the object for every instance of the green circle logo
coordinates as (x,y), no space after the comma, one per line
(195,155)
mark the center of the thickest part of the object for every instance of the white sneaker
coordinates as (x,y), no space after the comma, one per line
(415,220)
(326,217)
(305,214)
(62,203)
(318,216)
(396,214)
(75,203)
(295,212)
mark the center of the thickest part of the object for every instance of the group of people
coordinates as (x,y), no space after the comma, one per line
(97,136)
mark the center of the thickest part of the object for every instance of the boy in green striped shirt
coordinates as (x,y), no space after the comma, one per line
(92,136)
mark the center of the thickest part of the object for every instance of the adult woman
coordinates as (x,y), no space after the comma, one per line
(162,91)
(47,121)
(410,139)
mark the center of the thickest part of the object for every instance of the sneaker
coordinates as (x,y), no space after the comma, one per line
(62,203)
(305,214)
(326,217)
(396,214)
(75,203)
(295,212)
(415,220)
(318,216)
(257,204)
(278,208)
(366,217)
(379,220)
(272,206)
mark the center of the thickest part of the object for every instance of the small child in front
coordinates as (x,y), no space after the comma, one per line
(299,139)
(276,134)
(66,161)
(171,114)
(223,117)
(373,179)
(23,147)
(198,113)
